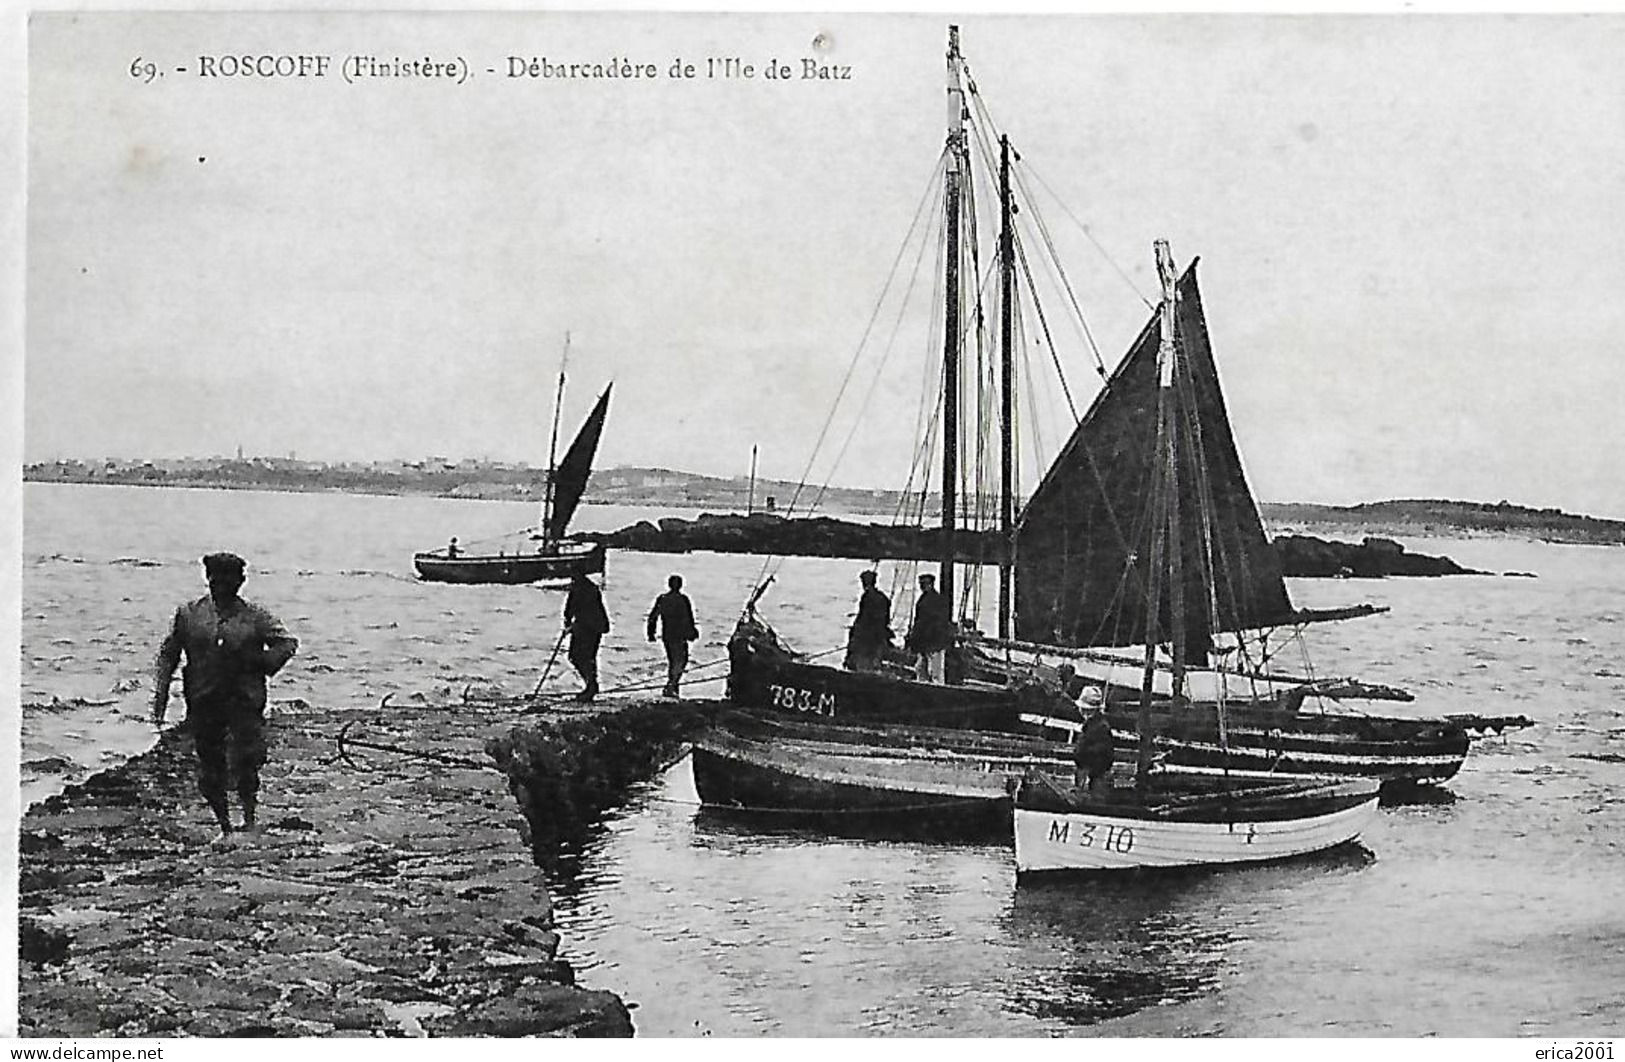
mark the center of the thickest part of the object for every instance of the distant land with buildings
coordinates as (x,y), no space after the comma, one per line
(666,488)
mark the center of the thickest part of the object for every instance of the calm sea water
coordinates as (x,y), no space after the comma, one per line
(1494,912)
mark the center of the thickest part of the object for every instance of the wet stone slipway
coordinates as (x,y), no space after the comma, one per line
(393,890)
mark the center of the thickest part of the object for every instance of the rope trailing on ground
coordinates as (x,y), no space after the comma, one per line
(345,742)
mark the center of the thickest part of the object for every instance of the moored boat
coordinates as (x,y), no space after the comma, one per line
(767,675)
(551,562)
(1264,739)
(1168,819)
(1186,821)
(894,781)
(544,554)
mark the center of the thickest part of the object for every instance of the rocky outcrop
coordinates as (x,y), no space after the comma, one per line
(765,533)
(1372,558)
(816,536)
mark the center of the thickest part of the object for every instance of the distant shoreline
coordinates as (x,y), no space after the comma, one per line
(664,488)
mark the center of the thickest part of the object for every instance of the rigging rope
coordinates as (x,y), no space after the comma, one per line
(1049,338)
(1066,281)
(1091,237)
(1043,229)
(927,197)
(874,382)
(868,327)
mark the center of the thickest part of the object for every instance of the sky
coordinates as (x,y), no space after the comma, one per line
(1409,230)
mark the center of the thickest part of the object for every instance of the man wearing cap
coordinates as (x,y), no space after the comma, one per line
(866,643)
(673,613)
(1092,752)
(931,633)
(587,621)
(231,645)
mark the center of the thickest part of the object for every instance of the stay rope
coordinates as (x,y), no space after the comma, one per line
(928,196)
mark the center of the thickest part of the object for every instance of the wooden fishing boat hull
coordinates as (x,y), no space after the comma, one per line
(765,676)
(1253,824)
(1265,741)
(560,565)
(895,781)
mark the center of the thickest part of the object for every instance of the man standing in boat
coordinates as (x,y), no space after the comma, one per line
(931,633)
(674,614)
(587,621)
(1092,753)
(231,646)
(871,629)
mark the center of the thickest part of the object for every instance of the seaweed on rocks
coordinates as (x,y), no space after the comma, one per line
(565,773)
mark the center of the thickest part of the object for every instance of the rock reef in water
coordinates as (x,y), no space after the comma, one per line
(767,533)
(1309,557)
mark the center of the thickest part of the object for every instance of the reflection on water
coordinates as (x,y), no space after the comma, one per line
(1416,796)
(1116,944)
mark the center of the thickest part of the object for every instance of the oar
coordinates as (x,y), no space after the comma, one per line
(548,670)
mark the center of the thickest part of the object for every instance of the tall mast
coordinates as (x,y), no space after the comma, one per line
(1164,508)
(750,501)
(1176,558)
(950,333)
(1007,388)
(553,443)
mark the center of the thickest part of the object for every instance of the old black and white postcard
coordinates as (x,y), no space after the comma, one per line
(733,524)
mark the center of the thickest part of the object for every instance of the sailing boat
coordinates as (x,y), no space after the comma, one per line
(1085,579)
(763,671)
(544,553)
(1165,393)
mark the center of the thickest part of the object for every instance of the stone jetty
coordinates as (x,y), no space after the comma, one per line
(396,886)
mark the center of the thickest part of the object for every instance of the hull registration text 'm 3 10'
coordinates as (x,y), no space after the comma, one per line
(1057,829)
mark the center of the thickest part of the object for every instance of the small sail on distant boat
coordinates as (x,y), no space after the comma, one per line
(546,553)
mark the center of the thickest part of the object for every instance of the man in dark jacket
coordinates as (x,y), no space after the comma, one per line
(931,633)
(587,621)
(1092,754)
(674,615)
(231,645)
(871,629)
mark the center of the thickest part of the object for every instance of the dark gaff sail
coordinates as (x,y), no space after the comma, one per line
(571,475)
(1083,544)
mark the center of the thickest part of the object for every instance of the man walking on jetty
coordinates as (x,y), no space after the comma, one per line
(587,621)
(675,617)
(231,645)
(931,633)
